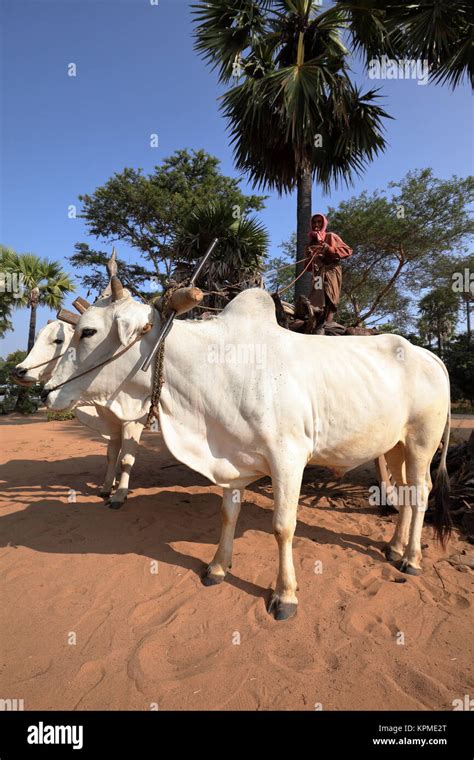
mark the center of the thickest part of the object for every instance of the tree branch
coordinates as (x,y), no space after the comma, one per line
(384,291)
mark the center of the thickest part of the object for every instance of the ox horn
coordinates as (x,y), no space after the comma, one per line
(112,264)
(112,272)
(116,287)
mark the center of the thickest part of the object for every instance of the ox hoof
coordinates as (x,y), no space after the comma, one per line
(118,499)
(281,610)
(105,494)
(208,579)
(409,569)
(115,504)
(391,555)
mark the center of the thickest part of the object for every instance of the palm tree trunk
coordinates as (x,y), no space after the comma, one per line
(468,317)
(23,392)
(32,330)
(304,191)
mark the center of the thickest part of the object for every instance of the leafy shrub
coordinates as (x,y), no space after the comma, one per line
(60,415)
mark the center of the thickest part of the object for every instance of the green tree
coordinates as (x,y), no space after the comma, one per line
(468,300)
(10,289)
(149,212)
(297,116)
(433,30)
(14,398)
(425,332)
(93,273)
(279,272)
(461,277)
(44,283)
(438,311)
(406,239)
(239,258)
(459,359)
(6,305)
(6,365)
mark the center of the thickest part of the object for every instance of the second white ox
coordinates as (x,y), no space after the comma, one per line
(123,438)
(243,398)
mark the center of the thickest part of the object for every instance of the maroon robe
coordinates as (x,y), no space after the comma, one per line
(326,271)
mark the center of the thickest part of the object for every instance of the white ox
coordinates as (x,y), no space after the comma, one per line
(123,437)
(293,400)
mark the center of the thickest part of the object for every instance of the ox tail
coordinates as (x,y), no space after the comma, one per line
(442,516)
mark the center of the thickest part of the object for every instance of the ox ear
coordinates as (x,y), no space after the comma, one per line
(129,326)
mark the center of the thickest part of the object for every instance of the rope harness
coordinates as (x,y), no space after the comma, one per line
(112,358)
(158,369)
(161,305)
(48,361)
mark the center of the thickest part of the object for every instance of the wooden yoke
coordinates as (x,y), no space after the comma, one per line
(166,326)
(81,304)
(68,316)
(183,300)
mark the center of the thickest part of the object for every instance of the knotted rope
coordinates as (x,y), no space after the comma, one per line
(161,304)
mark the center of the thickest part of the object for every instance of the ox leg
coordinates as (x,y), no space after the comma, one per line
(286,491)
(395,549)
(230,509)
(113,450)
(418,492)
(396,462)
(131,432)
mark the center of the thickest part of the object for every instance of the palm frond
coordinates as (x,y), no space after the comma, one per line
(433,30)
(441,33)
(243,244)
(274,123)
(370,25)
(225,30)
(45,275)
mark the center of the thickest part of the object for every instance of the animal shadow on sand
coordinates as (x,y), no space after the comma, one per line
(149,525)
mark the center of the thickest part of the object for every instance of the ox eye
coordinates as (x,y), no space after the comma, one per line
(88,332)
(58,341)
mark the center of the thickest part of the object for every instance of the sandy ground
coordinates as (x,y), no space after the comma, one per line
(105,610)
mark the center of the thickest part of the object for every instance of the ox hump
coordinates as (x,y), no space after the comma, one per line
(251,303)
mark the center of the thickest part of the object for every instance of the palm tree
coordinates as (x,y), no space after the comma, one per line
(8,291)
(438,314)
(5,314)
(297,117)
(468,300)
(239,258)
(466,268)
(43,283)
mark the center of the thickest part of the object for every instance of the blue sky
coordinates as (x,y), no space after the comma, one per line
(137,74)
